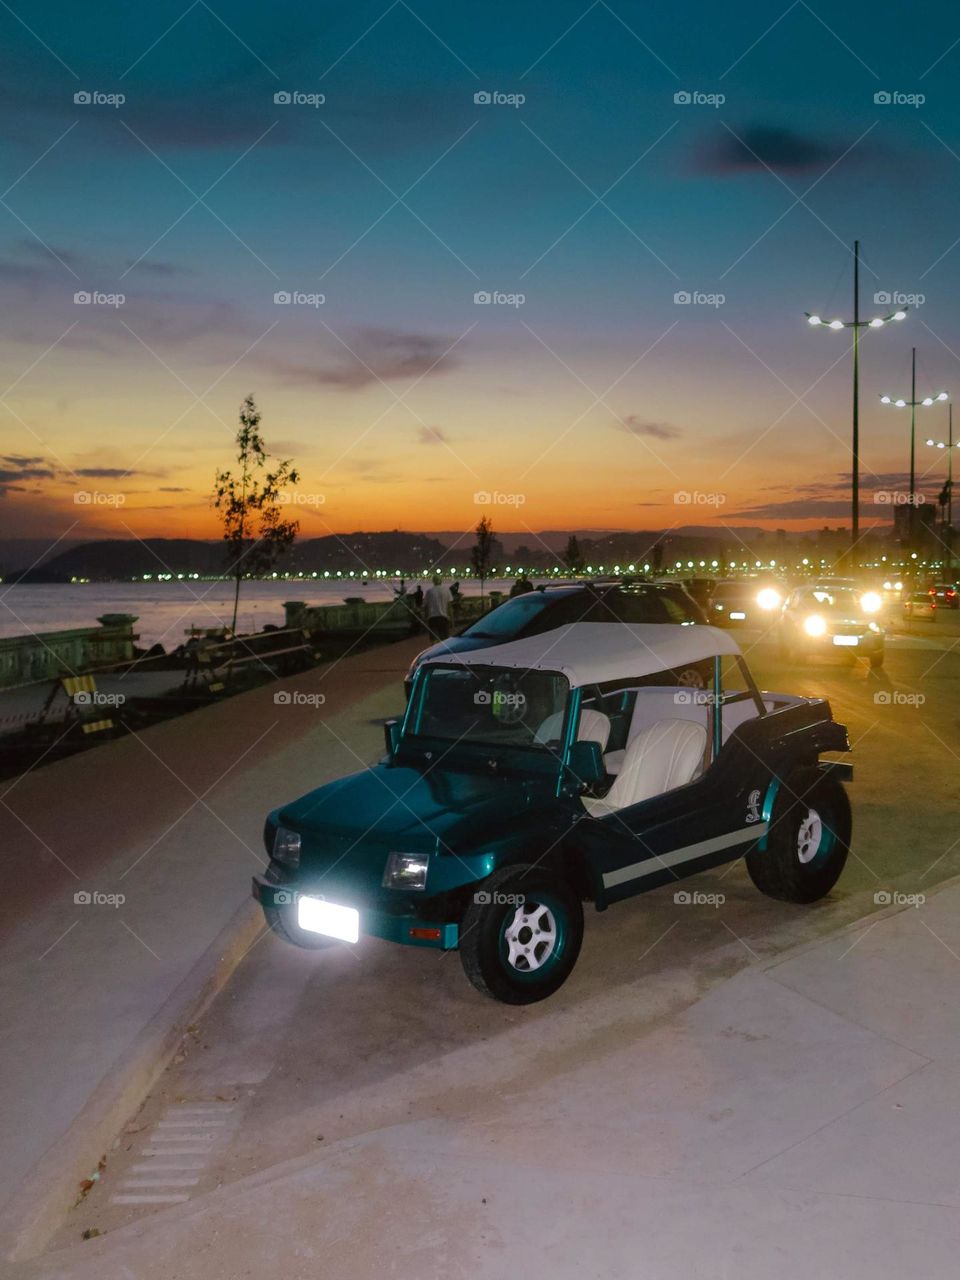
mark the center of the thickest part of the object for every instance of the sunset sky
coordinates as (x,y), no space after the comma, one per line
(598,198)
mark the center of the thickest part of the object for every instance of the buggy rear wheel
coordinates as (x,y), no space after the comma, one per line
(808,840)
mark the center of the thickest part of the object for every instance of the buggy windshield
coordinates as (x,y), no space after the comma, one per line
(489,707)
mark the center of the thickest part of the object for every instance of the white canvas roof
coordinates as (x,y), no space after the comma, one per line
(594,652)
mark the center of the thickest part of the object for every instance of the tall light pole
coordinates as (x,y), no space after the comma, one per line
(948,512)
(912,405)
(856,324)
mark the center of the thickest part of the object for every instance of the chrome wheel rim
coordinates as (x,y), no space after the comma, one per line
(531,937)
(809,836)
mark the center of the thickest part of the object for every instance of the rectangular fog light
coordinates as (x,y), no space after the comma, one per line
(317,916)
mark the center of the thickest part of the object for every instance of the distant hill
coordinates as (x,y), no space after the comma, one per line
(122,559)
(412,553)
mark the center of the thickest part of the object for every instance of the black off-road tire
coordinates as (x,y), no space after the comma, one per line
(493,912)
(792,868)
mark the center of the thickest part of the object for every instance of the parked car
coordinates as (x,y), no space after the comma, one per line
(829,621)
(701,589)
(528,779)
(743,602)
(945,594)
(550,607)
(920,606)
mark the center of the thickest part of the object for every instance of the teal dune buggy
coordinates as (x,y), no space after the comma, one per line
(527,779)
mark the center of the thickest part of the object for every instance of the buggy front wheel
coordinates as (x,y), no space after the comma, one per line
(521,934)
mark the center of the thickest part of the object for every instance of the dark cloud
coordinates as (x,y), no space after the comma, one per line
(19,468)
(637,426)
(25,473)
(376,355)
(34,249)
(20,460)
(765,146)
(431,435)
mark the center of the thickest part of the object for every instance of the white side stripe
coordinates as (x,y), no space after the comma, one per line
(658,862)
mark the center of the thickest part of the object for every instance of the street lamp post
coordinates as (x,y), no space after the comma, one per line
(856,324)
(948,511)
(912,405)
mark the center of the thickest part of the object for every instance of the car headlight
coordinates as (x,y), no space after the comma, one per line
(870,602)
(815,625)
(286,847)
(873,626)
(406,871)
(768,598)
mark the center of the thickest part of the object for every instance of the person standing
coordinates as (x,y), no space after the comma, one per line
(416,610)
(521,587)
(436,607)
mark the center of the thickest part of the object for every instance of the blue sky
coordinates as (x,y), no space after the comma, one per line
(597,199)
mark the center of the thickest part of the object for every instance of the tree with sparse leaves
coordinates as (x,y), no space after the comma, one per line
(572,556)
(249,503)
(481,553)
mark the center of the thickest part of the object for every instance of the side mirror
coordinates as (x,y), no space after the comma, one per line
(391,734)
(586,763)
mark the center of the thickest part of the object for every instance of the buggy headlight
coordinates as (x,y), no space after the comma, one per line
(286,847)
(815,625)
(406,871)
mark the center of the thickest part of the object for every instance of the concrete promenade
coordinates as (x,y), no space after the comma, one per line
(171,819)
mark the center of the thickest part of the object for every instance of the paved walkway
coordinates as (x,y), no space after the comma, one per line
(170,819)
(798,1120)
